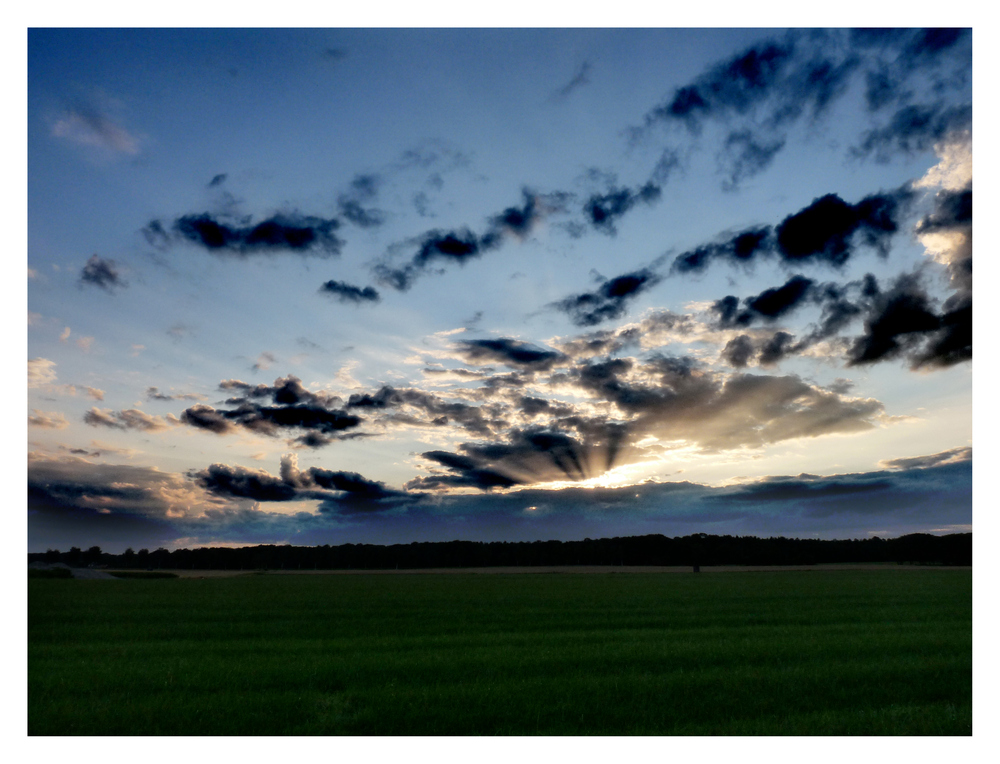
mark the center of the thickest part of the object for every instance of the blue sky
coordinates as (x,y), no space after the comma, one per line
(348,285)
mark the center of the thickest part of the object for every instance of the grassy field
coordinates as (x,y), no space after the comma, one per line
(801,653)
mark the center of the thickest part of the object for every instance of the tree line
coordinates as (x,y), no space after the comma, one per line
(699,549)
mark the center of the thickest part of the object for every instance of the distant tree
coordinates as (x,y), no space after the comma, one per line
(129,557)
(160,557)
(92,556)
(51,555)
(142,558)
(73,556)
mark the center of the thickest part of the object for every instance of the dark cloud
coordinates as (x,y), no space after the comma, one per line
(465,474)
(310,440)
(951,456)
(928,43)
(532,406)
(527,456)
(809,490)
(295,408)
(903,321)
(908,50)
(738,351)
(770,304)
(356,493)
(102,273)
(409,406)
(603,210)
(776,348)
(350,293)
(338,491)
(741,248)
(744,155)
(838,309)
(364,188)
(759,93)
(205,417)
(774,303)
(881,88)
(952,342)
(461,245)
(451,246)
(218,180)
(734,86)
(895,498)
(825,230)
(914,128)
(352,211)
(769,351)
(521,221)
(609,300)
(243,483)
(292,232)
(510,352)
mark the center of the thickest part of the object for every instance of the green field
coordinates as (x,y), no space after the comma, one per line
(801,653)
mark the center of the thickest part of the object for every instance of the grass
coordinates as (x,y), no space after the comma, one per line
(787,653)
(50,573)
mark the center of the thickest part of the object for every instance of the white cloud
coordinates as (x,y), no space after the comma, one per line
(41,372)
(954,171)
(50,419)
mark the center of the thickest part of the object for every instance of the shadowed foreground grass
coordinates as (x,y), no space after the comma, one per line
(787,653)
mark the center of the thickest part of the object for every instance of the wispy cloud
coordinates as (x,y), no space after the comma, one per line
(579,79)
(92,128)
(129,419)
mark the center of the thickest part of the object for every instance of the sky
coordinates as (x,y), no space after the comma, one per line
(325,286)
